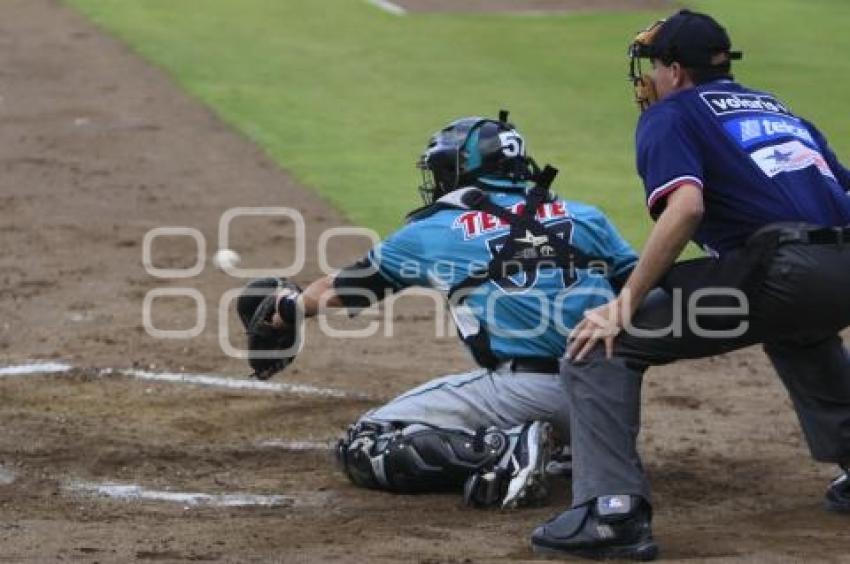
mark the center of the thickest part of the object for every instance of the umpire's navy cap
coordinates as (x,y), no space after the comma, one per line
(693,40)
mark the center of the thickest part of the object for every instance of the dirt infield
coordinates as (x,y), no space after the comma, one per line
(98,148)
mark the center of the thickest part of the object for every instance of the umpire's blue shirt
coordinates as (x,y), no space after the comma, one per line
(527,315)
(756,162)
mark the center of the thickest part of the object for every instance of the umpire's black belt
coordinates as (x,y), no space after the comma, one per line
(537,365)
(814,236)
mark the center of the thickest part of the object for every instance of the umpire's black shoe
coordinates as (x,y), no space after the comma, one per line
(838,493)
(614,526)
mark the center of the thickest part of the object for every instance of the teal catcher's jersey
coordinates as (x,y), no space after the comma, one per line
(526,315)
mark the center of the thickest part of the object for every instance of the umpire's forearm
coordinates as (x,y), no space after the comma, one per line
(668,238)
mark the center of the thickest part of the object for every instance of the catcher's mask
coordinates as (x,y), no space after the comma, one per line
(694,40)
(475,151)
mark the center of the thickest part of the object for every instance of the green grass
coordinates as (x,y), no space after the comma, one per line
(345,96)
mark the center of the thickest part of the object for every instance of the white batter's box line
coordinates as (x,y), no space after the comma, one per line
(134,492)
(42,367)
(389,7)
(35,367)
(7,476)
(238,384)
(297,445)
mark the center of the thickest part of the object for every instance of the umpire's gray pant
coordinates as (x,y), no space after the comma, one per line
(499,398)
(796,312)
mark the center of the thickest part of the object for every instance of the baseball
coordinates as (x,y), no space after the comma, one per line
(226,258)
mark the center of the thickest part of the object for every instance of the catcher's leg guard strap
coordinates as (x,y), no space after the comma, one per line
(417,458)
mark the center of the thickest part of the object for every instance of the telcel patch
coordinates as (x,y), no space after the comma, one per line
(756,129)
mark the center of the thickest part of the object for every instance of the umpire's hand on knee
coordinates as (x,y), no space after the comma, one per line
(603,323)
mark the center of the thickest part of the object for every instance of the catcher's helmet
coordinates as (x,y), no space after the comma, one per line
(474,151)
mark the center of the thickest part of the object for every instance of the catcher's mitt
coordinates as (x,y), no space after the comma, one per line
(271,348)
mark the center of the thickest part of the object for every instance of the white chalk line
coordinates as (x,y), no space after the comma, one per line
(7,476)
(397,10)
(296,445)
(134,492)
(389,7)
(39,367)
(235,383)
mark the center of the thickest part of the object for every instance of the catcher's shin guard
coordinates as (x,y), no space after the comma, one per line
(416,458)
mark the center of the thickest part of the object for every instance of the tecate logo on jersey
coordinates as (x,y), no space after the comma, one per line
(722,103)
(476,223)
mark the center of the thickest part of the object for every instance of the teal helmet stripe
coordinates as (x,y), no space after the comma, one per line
(471,151)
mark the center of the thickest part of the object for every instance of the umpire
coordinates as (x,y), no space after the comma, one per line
(758,187)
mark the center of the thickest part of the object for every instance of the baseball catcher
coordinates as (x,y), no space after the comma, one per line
(519,266)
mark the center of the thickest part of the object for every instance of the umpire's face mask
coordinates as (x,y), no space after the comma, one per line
(645,91)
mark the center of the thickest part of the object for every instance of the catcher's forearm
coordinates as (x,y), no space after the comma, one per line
(354,287)
(318,295)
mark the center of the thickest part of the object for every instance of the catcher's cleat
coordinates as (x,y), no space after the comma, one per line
(519,478)
(617,526)
(485,489)
(528,484)
(560,462)
(838,493)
